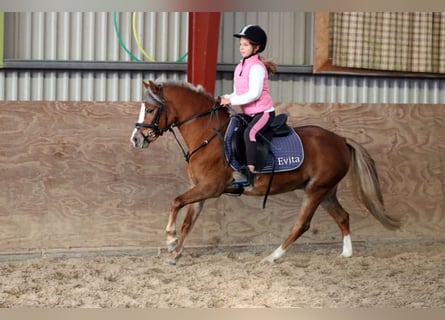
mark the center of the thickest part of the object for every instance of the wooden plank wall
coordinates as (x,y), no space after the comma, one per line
(70,179)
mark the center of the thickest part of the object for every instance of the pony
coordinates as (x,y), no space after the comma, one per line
(202,123)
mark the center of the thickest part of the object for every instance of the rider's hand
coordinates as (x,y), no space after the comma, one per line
(225,101)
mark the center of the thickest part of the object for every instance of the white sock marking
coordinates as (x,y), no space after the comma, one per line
(277,254)
(347,246)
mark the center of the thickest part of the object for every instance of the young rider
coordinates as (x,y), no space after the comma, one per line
(251,93)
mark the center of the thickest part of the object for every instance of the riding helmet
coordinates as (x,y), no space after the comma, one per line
(255,34)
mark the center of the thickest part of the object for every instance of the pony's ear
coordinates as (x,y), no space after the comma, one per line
(152,86)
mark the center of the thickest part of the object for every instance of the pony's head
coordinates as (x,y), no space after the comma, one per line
(152,121)
(166,105)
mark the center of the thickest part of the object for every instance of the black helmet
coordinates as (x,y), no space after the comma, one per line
(255,34)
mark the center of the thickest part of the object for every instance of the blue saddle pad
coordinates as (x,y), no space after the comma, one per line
(286,152)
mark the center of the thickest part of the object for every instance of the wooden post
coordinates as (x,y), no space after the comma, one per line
(203,49)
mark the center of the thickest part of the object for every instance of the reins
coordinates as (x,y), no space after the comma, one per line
(216,131)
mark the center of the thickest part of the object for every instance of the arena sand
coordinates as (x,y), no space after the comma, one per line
(406,275)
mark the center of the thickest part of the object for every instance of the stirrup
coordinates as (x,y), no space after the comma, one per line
(244,177)
(239,179)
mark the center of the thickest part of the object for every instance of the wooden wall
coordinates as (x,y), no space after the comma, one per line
(71,180)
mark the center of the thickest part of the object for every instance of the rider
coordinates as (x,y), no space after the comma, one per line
(251,92)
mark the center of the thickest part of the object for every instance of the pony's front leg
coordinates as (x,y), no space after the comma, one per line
(174,245)
(170,230)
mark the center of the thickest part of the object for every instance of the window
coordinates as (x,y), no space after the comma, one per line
(376,42)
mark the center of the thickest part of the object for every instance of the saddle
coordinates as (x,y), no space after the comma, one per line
(278,146)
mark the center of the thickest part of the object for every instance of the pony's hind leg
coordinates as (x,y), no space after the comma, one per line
(341,217)
(311,201)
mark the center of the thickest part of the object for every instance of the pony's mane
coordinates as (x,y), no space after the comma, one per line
(184,84)
(151,97)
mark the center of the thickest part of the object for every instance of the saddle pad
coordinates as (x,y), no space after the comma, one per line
(286,152)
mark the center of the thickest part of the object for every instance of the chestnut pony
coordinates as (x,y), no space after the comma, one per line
(202,124)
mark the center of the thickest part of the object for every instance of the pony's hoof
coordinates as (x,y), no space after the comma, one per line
(268,259)
(172,244)
(346,254)
(170,262)
(274,256)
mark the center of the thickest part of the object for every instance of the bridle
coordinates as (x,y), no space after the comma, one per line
(156,131)
(154,125)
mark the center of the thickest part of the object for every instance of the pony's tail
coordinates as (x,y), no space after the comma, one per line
(366,184)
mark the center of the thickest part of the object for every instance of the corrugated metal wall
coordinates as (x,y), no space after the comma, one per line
(163,36)
(353,89)
(77,86)
(289,36)
(103,86)
(91,36)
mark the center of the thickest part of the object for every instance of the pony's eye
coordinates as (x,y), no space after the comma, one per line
(149,111)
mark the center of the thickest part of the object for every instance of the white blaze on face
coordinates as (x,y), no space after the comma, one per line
(140,120)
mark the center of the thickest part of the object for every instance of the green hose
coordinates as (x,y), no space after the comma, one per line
(121,43)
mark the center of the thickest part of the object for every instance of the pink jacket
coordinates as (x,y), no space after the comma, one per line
(241,83)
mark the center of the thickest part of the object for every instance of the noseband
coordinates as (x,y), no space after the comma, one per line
(156,131)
